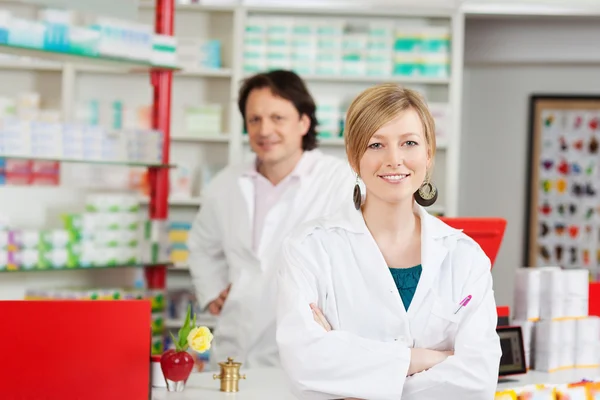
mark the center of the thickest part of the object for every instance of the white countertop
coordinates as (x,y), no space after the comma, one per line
(269,383)
(557,378)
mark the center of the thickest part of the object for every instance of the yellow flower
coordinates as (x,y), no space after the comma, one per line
(199,339)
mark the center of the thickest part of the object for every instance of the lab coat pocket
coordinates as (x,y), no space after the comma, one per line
(442,326)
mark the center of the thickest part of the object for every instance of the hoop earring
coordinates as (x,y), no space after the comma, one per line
(426,195)
(357,195)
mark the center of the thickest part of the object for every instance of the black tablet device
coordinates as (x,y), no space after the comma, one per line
(513,360)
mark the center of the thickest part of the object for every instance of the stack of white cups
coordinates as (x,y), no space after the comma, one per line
(527,307)
(551,306)
(563,302)
(587,343)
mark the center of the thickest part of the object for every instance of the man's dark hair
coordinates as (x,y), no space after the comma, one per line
(287,85)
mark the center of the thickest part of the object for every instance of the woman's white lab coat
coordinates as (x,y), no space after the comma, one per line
(336,264)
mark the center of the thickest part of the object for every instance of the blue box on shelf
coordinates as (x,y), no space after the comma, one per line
(210,52)
(3,36)
(56,37)
(26,33)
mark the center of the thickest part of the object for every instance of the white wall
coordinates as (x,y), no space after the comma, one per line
(507,61)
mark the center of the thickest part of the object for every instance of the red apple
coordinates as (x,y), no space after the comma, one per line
(176,365)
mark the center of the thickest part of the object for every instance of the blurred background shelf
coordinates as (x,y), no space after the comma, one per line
(89,268)
(82,59)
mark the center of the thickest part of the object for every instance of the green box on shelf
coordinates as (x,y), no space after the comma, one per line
(157,345)
(158,323)
(157,299)
(84,41)
(57,258)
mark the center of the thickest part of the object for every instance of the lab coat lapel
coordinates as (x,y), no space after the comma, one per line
(433,253)
(373,266)
(245,213)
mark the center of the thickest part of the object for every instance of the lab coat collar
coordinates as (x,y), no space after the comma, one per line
(436,242)
(303,168)
(431,226)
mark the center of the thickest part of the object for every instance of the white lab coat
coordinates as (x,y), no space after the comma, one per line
(221,252)
(336,263)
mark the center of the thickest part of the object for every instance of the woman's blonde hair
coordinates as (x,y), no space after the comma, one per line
(375,107)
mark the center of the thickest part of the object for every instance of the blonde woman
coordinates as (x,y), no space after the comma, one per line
(383,300)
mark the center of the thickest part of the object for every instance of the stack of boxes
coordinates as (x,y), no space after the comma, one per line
(195,53)
(107,37)
(178,237)
(551,306)
(203,120)
(422,51)
(109,233)
(329,114)
(20,138)
(337,46)
(35,249)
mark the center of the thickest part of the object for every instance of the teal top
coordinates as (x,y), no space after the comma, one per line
(406,280)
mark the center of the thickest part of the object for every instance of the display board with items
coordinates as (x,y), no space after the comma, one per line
(564,223)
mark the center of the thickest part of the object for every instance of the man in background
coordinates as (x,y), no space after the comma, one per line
(249,208)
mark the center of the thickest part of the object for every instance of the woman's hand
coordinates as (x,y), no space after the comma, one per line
(319,317)
(423,359)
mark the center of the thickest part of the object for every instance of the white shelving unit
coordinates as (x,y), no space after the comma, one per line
(64,86)
(198,85)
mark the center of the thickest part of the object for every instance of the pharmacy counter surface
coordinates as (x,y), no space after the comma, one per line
(559,377)
(267,383)
(271,384)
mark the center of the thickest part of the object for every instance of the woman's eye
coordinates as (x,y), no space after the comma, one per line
(375,146)
(411,143)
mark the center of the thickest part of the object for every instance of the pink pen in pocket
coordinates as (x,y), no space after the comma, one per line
(463,303)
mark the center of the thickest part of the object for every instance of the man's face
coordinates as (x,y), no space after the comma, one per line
(275,129)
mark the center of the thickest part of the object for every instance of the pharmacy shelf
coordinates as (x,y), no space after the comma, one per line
(183,72)
(87,161)
(63,57)
(94,268)
(146,5)
(191,202)
(29,65)
(203,139)
(351,8)
(377,79)
(205,72)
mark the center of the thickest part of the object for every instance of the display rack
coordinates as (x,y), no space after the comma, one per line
(85,78)
(161,76)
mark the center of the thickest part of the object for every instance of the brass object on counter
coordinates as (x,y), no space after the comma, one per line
(230,375)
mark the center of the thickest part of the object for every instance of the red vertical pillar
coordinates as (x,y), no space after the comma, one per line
(161,120)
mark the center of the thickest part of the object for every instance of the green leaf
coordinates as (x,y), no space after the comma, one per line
(185,329)
(175,342)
